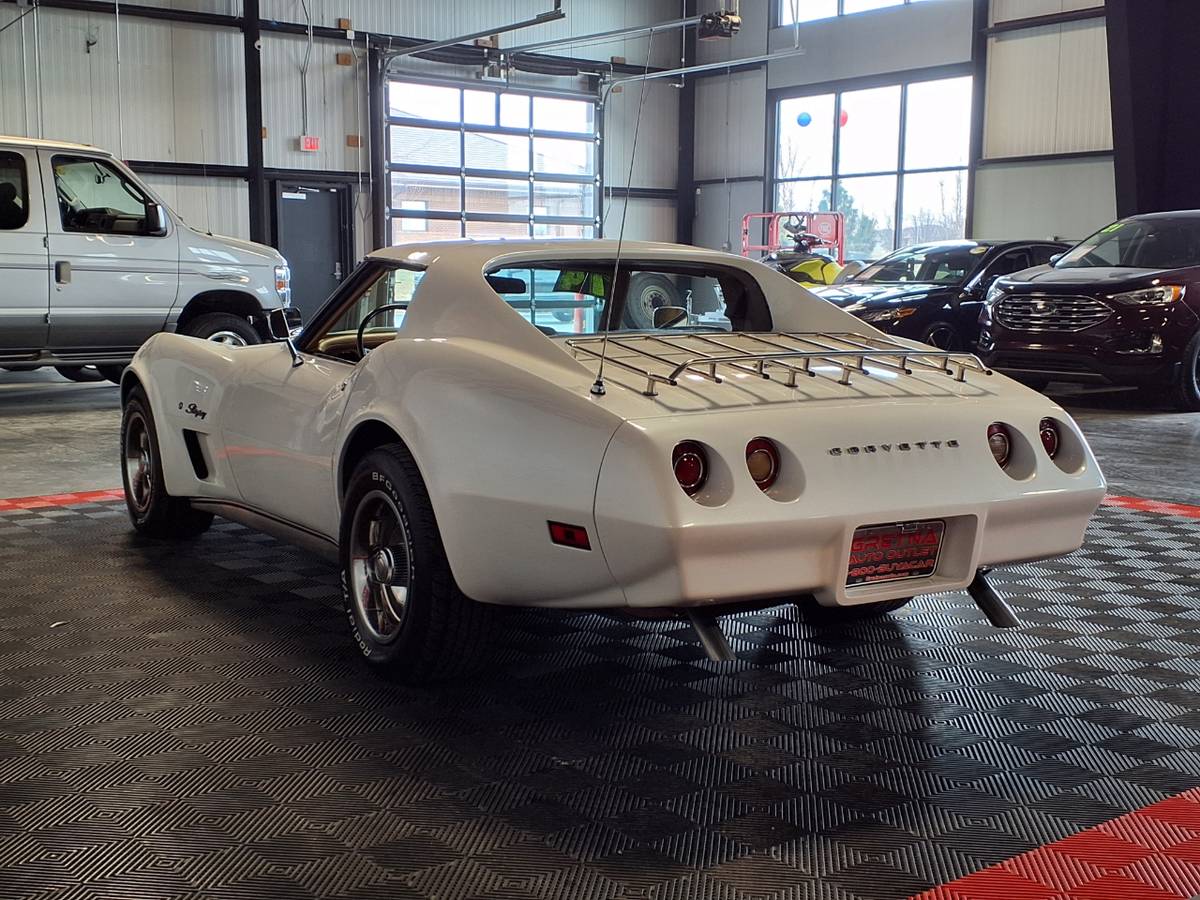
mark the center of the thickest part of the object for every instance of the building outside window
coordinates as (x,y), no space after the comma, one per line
(891,159)
(485,162)
(791,12)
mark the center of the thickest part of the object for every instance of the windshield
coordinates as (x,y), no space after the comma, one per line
(928,264)
(1139,244)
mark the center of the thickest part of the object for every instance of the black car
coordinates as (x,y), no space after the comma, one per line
(1122,308)
(933,292)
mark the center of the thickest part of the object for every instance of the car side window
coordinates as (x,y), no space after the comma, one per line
(390,288)
(1007,263)
(14,192)
(96,198)
(1041,254)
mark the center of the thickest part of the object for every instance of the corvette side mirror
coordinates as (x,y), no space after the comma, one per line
(282,324)
(669,316)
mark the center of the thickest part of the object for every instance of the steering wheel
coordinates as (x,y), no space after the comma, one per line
(362,326)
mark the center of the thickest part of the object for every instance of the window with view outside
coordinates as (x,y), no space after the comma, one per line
(490,163)
(1161,243)
(574,301)
(891,159)
(792,12)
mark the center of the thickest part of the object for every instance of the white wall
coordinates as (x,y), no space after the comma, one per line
(1047,94)
(1062,198)
(182,96)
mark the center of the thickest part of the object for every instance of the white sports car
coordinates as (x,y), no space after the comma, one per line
(472,424)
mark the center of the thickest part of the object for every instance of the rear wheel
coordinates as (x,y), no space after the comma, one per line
(405,610)
(82,374)
(1185,392)
(647,293)
(831,615)
(153,511)
(223,328)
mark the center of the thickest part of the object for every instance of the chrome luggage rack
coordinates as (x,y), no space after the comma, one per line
(787,354)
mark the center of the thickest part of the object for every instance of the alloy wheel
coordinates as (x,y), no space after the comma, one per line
(228,338)
(139,462)
(380,566)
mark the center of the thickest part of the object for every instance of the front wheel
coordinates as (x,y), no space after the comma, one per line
(153,511)
(944,336)
(1185,391)
(404,608)
(81,374)
(223,328)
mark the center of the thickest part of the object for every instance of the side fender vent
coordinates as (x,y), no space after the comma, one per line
(191,440)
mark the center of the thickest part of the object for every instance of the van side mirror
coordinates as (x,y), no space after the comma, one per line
(668,316)
(156,220)
(282,323)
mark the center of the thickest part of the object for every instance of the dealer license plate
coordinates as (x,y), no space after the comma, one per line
(896,552)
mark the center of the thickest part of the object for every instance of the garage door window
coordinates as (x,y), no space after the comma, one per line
(478,162)
(14,192)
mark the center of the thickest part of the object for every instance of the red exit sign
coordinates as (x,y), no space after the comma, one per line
(310,143)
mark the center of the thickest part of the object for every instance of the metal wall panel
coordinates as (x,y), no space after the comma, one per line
(219,205)
(1066,199)
(1008,10)
(657,162)
(1047,91)
(719,211)
(731,125)
(181,98)
(646,220)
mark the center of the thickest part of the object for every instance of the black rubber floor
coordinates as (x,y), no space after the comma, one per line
(192,721)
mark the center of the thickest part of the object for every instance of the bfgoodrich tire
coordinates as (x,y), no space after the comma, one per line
(153,511)
(224,328)
(1185,392)
(405,610)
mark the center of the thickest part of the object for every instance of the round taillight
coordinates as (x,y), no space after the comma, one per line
(1000,443)
(691,466)
(1051,440)
(762,460)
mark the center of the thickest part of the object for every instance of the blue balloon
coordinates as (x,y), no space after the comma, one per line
(804,120)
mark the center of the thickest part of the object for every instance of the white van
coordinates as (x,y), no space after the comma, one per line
(92,263)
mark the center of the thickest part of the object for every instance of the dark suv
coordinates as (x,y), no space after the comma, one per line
(1122,308)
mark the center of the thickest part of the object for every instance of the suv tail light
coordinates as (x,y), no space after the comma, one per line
(762,461)
(690,463)
(1051,439)
(1000,443)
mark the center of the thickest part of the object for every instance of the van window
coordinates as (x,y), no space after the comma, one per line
(14,193)
(94,197)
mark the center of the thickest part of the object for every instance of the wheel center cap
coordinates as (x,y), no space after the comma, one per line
(383,566)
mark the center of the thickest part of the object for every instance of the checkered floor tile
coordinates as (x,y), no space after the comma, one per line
(190,720)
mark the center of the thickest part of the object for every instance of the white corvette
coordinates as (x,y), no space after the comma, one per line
(444,430)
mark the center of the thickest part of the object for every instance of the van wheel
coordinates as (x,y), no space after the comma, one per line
(1185,392)
(111,373)
(82,374)
(645,294)
(153,511)
(223,328)
(405,610)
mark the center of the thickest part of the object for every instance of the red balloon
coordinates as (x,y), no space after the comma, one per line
(845,117)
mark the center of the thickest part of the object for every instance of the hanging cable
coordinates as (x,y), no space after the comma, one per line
(120,114)
(304,69)
(598,384)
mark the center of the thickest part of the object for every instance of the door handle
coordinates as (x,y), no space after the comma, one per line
(337,271)
(62,272)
